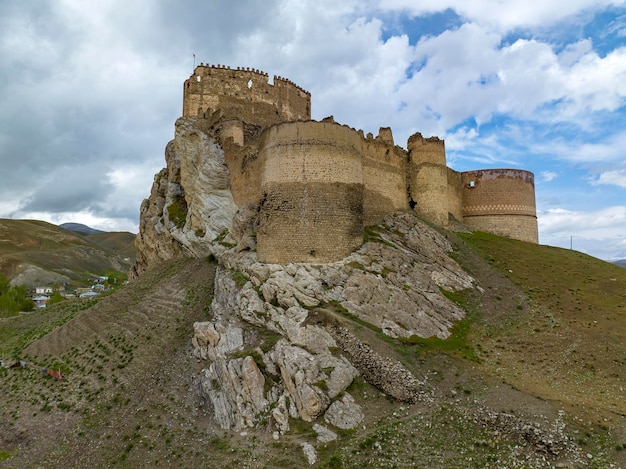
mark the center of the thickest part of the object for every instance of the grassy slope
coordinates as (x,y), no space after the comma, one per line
(127,366)
(128,401)
(571,345)
(55,249)
(120,243)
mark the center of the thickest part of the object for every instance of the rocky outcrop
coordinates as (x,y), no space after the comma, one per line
(248,336)
(277,348)
(32,276)
(387,375)
(278,343)
(190,202)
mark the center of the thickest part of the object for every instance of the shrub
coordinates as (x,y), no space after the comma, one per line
(177,211)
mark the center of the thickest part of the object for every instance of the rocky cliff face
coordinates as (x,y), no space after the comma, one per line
(280,342)
(190,202)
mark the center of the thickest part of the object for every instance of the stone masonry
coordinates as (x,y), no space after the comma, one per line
(318,184)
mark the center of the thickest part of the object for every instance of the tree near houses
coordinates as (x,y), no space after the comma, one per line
(13,299)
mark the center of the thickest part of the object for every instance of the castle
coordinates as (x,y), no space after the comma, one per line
(318,184)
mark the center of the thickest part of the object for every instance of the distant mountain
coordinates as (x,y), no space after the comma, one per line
(621,262)
(80,228)
(36,253)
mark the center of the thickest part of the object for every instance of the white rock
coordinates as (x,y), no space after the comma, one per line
(309,453)
(324,434)
(344,413)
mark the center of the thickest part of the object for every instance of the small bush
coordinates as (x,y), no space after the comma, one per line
(177,211)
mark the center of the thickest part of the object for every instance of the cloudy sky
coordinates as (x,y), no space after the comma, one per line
(90,91)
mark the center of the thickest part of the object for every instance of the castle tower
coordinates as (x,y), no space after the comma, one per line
(428,178)
(311,207)
(245,94)
(501,201)
(384,177)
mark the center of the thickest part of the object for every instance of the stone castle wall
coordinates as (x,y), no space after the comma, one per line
(245,94)
(428,178)
(317,184)
(384,178)
(312,183)
(501,201)
(455,194)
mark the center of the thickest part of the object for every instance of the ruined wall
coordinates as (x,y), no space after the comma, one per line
(245,94)
(501,201)
(455,194)
(311,209)
(240,141)
(428,178)
(384,177)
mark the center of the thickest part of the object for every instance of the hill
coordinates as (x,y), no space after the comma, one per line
(80,228)
(533,377)
(621,263)
(38,253)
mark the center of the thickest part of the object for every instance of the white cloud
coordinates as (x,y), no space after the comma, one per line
(601,232)
(548,176)
(86,218)
(615,178)
(502,15)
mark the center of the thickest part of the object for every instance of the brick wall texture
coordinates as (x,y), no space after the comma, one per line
(246,94)
(428,178)
(314,222)
(312,184)
(384,180)
(501,201)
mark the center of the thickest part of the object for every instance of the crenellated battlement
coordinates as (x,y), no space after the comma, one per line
(280,81)
(245,93)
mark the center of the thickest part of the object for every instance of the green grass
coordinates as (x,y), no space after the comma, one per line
(239,277)
(18,333)
(372,234)
(52,248)
(575,324)
(456,344)
(177,211)
(551,274)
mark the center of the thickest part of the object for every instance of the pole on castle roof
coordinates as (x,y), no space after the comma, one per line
(194,61)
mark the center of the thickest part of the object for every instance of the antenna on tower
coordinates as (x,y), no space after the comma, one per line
(194,61)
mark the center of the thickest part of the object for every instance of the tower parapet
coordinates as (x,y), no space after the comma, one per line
(245,94)
(501,201)
(428,178)
(384,176)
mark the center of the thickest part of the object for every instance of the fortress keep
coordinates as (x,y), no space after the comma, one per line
(318,184)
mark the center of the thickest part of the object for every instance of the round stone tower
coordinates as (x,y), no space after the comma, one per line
(311,207)
(428,178)
(501,201)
